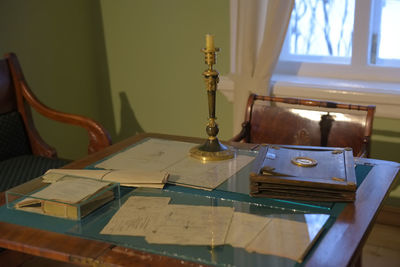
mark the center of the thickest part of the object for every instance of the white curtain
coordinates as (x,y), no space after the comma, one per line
(257,41)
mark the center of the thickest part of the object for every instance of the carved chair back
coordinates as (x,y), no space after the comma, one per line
(24,155)
(7,92)
(294,121)
(16,99)
(13,137)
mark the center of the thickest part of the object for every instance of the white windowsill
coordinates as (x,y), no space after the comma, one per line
(385,96)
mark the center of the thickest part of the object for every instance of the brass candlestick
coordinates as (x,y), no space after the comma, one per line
(212,149)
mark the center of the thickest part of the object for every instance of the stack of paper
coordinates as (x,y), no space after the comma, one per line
(134,178)
(70,197)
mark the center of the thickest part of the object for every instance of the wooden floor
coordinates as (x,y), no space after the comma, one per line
(382,247)
(383,244)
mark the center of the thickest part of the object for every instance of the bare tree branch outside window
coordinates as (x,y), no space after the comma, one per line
(322,28)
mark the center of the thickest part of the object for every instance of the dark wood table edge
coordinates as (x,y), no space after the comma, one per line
(356,219)
(345,253)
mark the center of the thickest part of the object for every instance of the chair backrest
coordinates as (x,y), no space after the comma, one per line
(13,137)
(16,97)
(15,111)
(7,92)
(293,121)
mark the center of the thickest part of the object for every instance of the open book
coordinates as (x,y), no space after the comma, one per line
(69,197)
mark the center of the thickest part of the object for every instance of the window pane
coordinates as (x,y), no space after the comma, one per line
(389,41)
(321,28)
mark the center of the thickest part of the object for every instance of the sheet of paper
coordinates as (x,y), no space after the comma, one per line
(53,175)
(173,157)
(136,178)
(141,202)
(136,216)
(193,172)
(192,225)
(160,186)
(244,228)
(151,155)
(284,238)
(71,189)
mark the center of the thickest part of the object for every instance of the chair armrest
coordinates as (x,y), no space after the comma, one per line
(99,138)
(365,150)
(243,136)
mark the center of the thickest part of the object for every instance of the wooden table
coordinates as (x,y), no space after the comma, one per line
(340,246)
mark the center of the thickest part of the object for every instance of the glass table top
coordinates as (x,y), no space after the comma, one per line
(315,218)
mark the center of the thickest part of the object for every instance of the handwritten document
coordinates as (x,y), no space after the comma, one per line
(244,228)
(206,175)
(173,157)
(284,238)
(163,223)
(136,216)
(151,155)
(192,225)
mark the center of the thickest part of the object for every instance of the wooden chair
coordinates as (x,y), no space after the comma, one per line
(23,153)
(293,121)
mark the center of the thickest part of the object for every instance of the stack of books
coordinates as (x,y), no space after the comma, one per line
(304,173)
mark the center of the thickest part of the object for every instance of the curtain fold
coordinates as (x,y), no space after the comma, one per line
(260,31)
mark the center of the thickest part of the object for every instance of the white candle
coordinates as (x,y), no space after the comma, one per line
(209,42)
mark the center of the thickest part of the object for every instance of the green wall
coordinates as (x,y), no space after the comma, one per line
(386,139)
(141,73)
(386,146)
(153,51)
(60,46)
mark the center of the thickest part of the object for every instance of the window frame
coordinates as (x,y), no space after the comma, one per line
(358,84)
(376,34)
(358,67)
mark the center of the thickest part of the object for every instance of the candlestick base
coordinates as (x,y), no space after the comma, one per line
(212,150)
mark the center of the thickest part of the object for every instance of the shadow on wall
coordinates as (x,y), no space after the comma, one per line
(103,73)
(129,124)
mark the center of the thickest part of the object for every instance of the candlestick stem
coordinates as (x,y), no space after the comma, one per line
(212,149)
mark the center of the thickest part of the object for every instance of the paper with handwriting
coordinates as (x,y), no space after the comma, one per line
(163,223)
(136,216)
(192,225)
(173,157)
(244,228)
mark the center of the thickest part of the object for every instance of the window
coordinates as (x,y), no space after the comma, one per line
(320,31)
(385,40)
(343,39)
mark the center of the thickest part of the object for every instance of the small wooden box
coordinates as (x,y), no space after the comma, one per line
(304,173)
